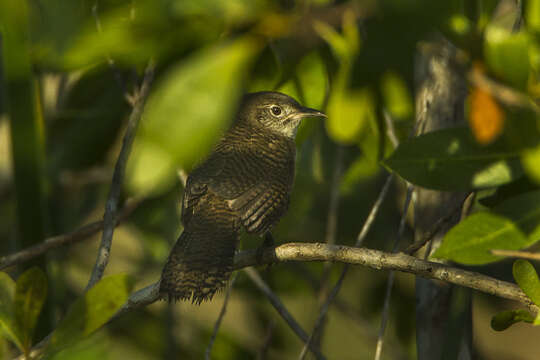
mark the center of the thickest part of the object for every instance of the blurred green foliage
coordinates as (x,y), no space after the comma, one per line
(69,66)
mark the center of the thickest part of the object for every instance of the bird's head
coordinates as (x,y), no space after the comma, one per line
(275,111)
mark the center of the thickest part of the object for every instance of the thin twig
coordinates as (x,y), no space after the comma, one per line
(359,240)
(330,238)
(391,276)
(110,60)
(220,318)
(519,16)
(516,254)
(503,93)
(110,217)
(281,309)
(331,225)
(54,242)
(261,354)
(390,129)
(417,245)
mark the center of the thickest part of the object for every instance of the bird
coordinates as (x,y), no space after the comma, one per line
(243,185)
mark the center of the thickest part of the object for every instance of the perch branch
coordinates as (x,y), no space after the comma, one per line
(374,259)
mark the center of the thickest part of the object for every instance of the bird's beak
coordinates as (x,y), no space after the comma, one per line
(307,112)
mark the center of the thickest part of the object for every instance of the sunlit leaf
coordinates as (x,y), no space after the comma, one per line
(505,319)
(8,324)
(513,225)
(187,112)
(532,15)
(30,295)
(527,279)
(460,24)
(90,312)
(451,160)
(531,163)
(471,240)
(397,99)
(348,113)
(507,54)
(313,80)
(337,43)
(486,117)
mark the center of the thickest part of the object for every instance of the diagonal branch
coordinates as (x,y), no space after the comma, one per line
(54,242)
(282,310)
(110,217)
(374,259)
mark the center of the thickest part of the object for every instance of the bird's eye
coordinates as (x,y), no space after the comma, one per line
(276,110)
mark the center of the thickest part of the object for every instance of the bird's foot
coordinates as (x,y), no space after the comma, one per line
(267,243)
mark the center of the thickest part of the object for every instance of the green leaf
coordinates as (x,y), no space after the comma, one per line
(187,112)
(451,160)
(313,80)
(8,324)
(505,319)
(513,225)
(90,312)
(524,211)
(471,240)
(527,279)
(312,83)
(397,99)
(532,15)
(30,295)
(349,112)
(530,160)
(507,54)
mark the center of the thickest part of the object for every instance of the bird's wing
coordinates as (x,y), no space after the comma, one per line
(259,196)
(222,175)
(197,184)
(261,206)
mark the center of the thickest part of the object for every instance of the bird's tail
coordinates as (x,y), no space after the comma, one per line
(199,264)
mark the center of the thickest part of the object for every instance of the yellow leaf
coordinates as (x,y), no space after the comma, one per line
(486,117)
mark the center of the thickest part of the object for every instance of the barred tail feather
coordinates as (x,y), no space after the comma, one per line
(199,265)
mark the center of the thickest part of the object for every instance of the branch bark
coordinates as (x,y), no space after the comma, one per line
(374,259)
(54,242)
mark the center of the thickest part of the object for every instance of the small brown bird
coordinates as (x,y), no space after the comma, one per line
(245,183)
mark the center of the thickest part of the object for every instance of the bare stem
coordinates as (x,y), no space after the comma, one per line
(517,254)
(281,309)
(391,276)
(54,242)
(220,318)
(110,217)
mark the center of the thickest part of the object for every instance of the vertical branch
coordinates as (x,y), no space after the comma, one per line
(440,98)
(330,238)
(111,208)
(391,276)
